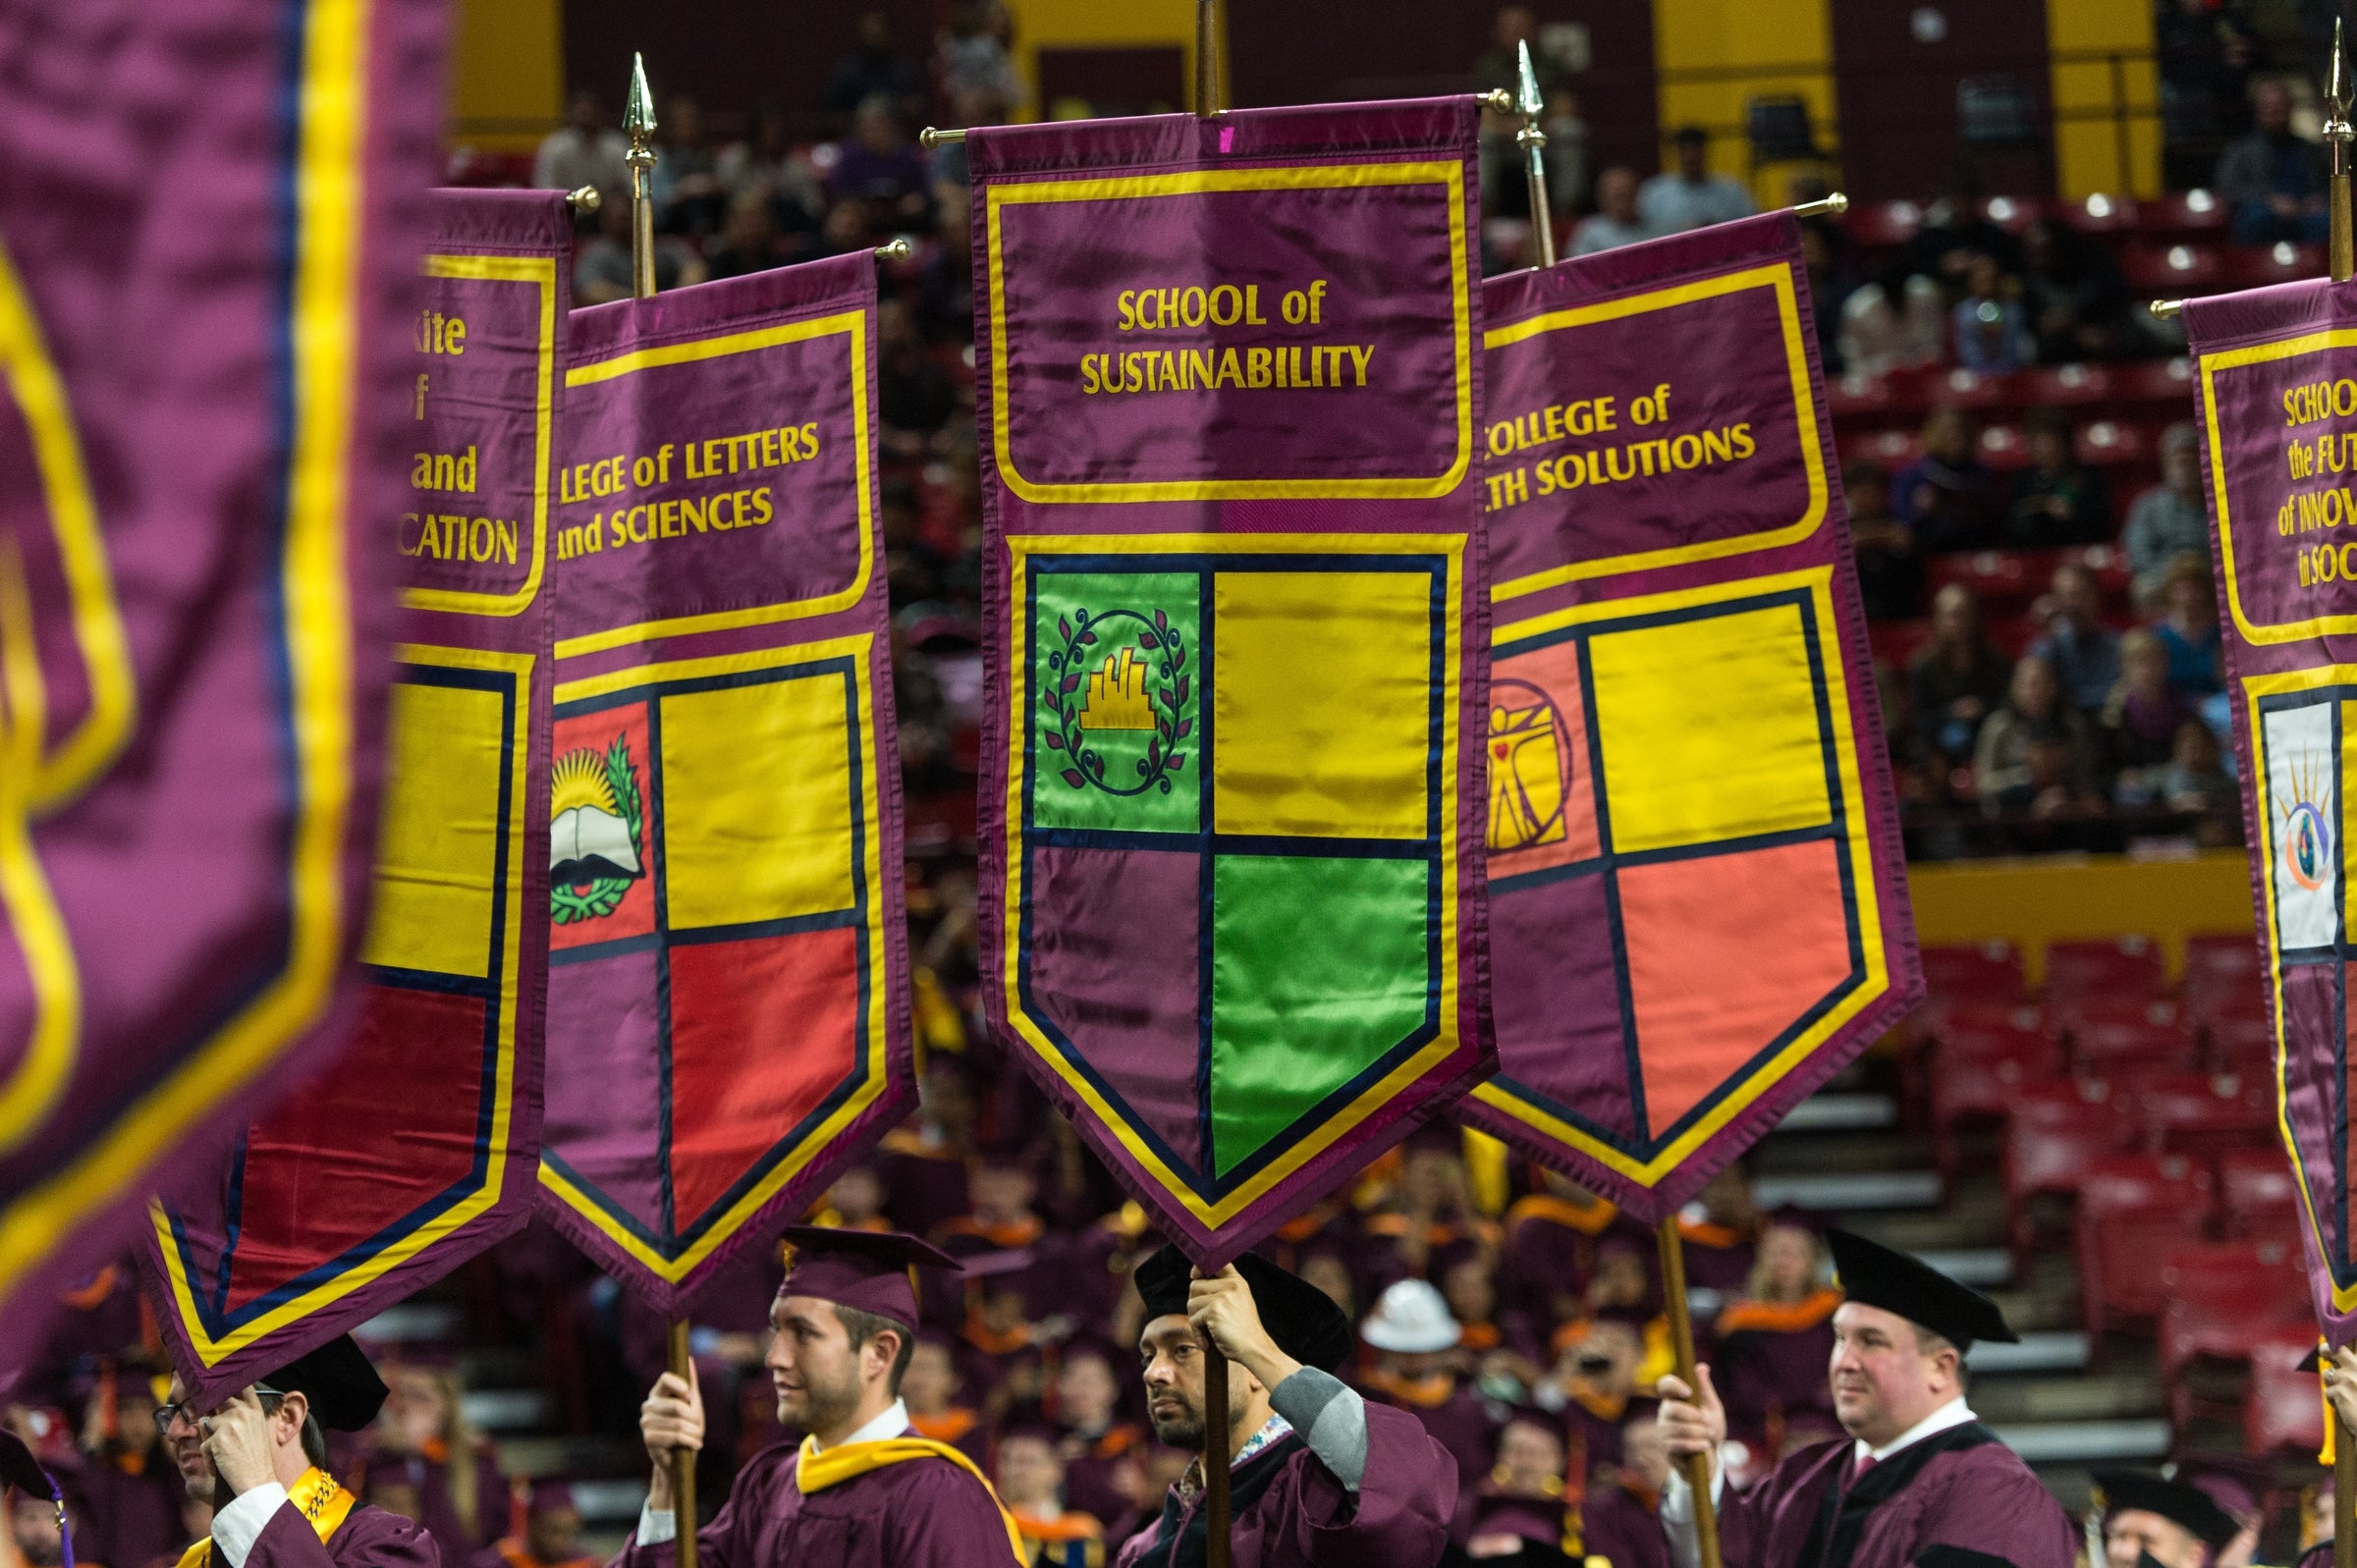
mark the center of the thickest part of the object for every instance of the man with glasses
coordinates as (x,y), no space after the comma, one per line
(261,1460)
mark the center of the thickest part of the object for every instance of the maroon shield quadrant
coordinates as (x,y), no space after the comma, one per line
(209,222)
(2275,396)
(421,1146)
(1698,905)
(729,969)
(1236,665)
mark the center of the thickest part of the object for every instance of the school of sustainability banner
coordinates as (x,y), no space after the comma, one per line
(1236,691)
(2276,399)
(420,1147)
(208,215)
(1698,907)
(728,965)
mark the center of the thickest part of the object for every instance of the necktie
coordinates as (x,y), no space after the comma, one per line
(1865,1463)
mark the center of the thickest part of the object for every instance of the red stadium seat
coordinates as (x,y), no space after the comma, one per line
(2258,1196)
(1967,388)
(2219,965)
(2004,449)
(2134,1210)
(2122,1035)
(1894,642)
(2181,214)
(2256,266)
(2166,383)
(2101,214)
(2201,1115)
(2283,1409)
(1979,1070)
(2008,213)
(2161,269)
(2126,968)
(1974,971)
(1893,449)
(2241,1041)
(2004,581)
(2055,1134)
(1857,400)
(2061,386)
(2109,444)
(1883,225)
(2214,1299)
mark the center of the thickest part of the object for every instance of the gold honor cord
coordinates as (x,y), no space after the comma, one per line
(26,902)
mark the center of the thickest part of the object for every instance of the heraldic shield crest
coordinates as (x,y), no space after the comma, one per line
(1232,914)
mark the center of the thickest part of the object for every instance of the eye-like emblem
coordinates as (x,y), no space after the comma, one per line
(2307,843)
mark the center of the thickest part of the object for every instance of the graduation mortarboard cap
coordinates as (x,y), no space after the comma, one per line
(21,1471)
(2177,1501)
(337,1382)
(1301,1317)
(866,1271)
(1876,1276)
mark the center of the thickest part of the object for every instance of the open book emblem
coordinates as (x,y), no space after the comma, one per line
(596,823)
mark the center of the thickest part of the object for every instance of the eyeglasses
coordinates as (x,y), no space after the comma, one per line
(166,1415)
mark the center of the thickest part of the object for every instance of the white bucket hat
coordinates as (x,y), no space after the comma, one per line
(1411,1320)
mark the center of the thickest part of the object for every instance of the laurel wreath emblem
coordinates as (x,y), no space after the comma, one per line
(1155,636)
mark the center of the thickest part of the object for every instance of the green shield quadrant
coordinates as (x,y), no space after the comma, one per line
(1114,693)
(1318,966)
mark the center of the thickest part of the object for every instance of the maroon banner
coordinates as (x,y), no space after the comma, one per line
(1698,901)
(421,1146)
(208,228)
(1233,784)
(2275,393)
(729,969)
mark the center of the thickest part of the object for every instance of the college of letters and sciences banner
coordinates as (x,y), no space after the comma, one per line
(1698,908)
(421,1146)
(1231,807)
(729,973)
(2277,404)
(209,216)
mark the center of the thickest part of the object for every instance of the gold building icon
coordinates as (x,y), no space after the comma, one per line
(1117,695)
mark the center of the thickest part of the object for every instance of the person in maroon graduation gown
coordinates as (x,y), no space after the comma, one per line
(2174,1521)
(1320,1478)
(261,1458)
(862,1491)
(1917,1480)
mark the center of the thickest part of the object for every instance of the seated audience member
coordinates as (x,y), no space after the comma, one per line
(2168,520)
(748,239)
(1889,572)
(1324,1265)
(1099,1448)
(1415,1342)
(2058,500)
(1619,1516)
(1593,1383)
(2140,719)
(1720,1244)
(1957,677)
(2007,760)
(1522,1510)
(1689,195)
(1031,1482)
(854,1203)
(2273,179)
(1614,222)
(685,184)
(1430,1220)
(1990,328)
(1832,279)
(1774,1346)
(2189,628)
(923,1161)
(913,395)
(2074,293)
(1946,495)
(32,1530)
(1550,1240)
(134,1489)
(2239,1484)
(2195,777)
(880,166)
(551,1537)
(582,151)
(2174,1523)
(2085,655)
(423,1433)
(929,1389)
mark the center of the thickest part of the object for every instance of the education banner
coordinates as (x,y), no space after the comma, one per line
(2276,397)
(1698,906)
(421,1146)
(1232,791)
(207,230)
(729,969)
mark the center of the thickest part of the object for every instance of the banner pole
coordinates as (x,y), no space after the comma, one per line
(1207,90)
(1534,152)
(1218,1448)
(682,1460)
(638,120)
(1681,1341)
(2342,254)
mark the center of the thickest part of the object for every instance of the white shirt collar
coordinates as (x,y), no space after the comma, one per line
(891,1424)
(1956,1413)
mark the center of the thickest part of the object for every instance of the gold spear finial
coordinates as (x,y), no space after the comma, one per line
(1533,142)
(2336,89)
(638,120)
(1530,103)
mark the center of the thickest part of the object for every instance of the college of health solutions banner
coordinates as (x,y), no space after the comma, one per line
(419,1148)
(209,216)
(729,973)
(2277,404)
(1698,906)
(1231,810)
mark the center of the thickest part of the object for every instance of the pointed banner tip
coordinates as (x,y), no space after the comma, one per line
(1530,103)
(638,117)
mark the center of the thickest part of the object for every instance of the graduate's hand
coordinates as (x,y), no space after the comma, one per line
(2340,1383)
(1222,1310)
(671,1418)
(1690,1424)
(236,1440)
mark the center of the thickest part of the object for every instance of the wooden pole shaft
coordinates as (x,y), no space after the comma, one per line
(2340,256)
(1218,1452)
(1681,1343)
(682,1460)
(1207,89)
(2344,1490)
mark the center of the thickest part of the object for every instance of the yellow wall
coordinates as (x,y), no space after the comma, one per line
(1741,34)
(2087,151)
(507,73)
(2068,897)
(1102,24)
